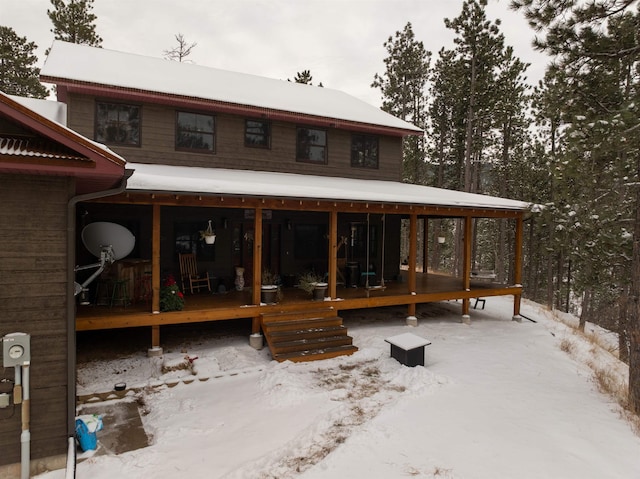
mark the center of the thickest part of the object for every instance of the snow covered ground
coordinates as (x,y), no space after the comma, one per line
(496,399)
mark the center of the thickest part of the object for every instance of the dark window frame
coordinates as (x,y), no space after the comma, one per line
(361,156)
(102,125)
(311,144)
(196,131)
(266,143)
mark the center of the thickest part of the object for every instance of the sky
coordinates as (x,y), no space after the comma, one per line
(339,41)
(495,399)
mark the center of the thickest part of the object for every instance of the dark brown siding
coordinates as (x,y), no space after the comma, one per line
(33,262)
(158,145)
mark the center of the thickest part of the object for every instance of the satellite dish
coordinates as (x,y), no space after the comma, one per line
(96,236)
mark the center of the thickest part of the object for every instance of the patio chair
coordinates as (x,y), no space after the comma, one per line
(190,275)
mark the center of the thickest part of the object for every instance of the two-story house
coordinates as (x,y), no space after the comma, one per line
(291,177)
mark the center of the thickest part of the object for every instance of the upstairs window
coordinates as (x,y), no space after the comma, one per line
(257,134)
(311,145)
(364,151)
(195,132)
(117,123)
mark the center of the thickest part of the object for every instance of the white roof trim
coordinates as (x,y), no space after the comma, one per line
(82,63)
(218,181)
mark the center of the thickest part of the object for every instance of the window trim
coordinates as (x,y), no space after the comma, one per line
(248,144)
(196,150)
(365,137)
(118,103)
(325,146)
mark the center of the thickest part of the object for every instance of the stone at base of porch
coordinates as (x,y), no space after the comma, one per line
(154,352)
(466,319)
(412,321)
(517,318)
(256,340)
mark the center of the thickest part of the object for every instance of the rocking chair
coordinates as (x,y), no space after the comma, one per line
(190,275)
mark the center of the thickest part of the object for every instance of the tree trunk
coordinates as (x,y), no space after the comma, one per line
(623,326)
(586,305)
(634,317)
(468,142)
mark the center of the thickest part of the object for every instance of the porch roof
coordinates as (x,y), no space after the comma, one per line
(218,181)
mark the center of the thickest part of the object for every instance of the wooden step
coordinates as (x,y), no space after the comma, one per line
(315,355)
(301,324)
(301,314)
(315,332)
(306,344)
(306,335)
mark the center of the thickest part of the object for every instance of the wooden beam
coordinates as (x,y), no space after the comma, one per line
(129,319)
(333,253)
(466,265)
(413,258)
(155,336)
(257,265)
(517,267)
(425,245)
(155,259)
(297,204)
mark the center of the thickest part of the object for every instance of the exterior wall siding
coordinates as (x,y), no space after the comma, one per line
(33,277)
(158,145)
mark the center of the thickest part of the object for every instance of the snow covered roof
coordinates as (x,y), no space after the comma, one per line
(184,179)
(73,63)
(53,110)
(44,146)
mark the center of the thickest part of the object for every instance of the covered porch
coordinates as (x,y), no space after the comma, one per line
(338,224)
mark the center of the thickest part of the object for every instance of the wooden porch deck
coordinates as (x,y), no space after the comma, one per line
(204,307)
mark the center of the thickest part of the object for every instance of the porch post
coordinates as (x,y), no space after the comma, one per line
(155,278)
(425,248)
(333,256)
(466,267)
(257,266)
(517,267)
(413,258)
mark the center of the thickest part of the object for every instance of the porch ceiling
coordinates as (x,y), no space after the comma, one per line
(148,178)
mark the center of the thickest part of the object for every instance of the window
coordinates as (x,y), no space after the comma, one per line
(257,134)
(364,151)
(188,240)
(195,132)
(311,145)
(117,123)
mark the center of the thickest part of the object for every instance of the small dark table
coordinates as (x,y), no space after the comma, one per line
(408,349)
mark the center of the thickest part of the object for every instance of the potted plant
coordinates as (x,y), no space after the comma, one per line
(270,291)
(313,283)
(171,298)
(208,235)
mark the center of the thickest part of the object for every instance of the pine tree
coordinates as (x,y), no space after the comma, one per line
(305,78)
(180,52)
(73,22)
(597,53)
(18,75)
(403,88)
(479,45)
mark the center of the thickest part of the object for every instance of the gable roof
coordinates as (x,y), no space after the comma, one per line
(32,143)
(94,70)
(184,179)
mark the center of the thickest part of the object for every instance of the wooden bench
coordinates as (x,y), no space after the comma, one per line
(408,349)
